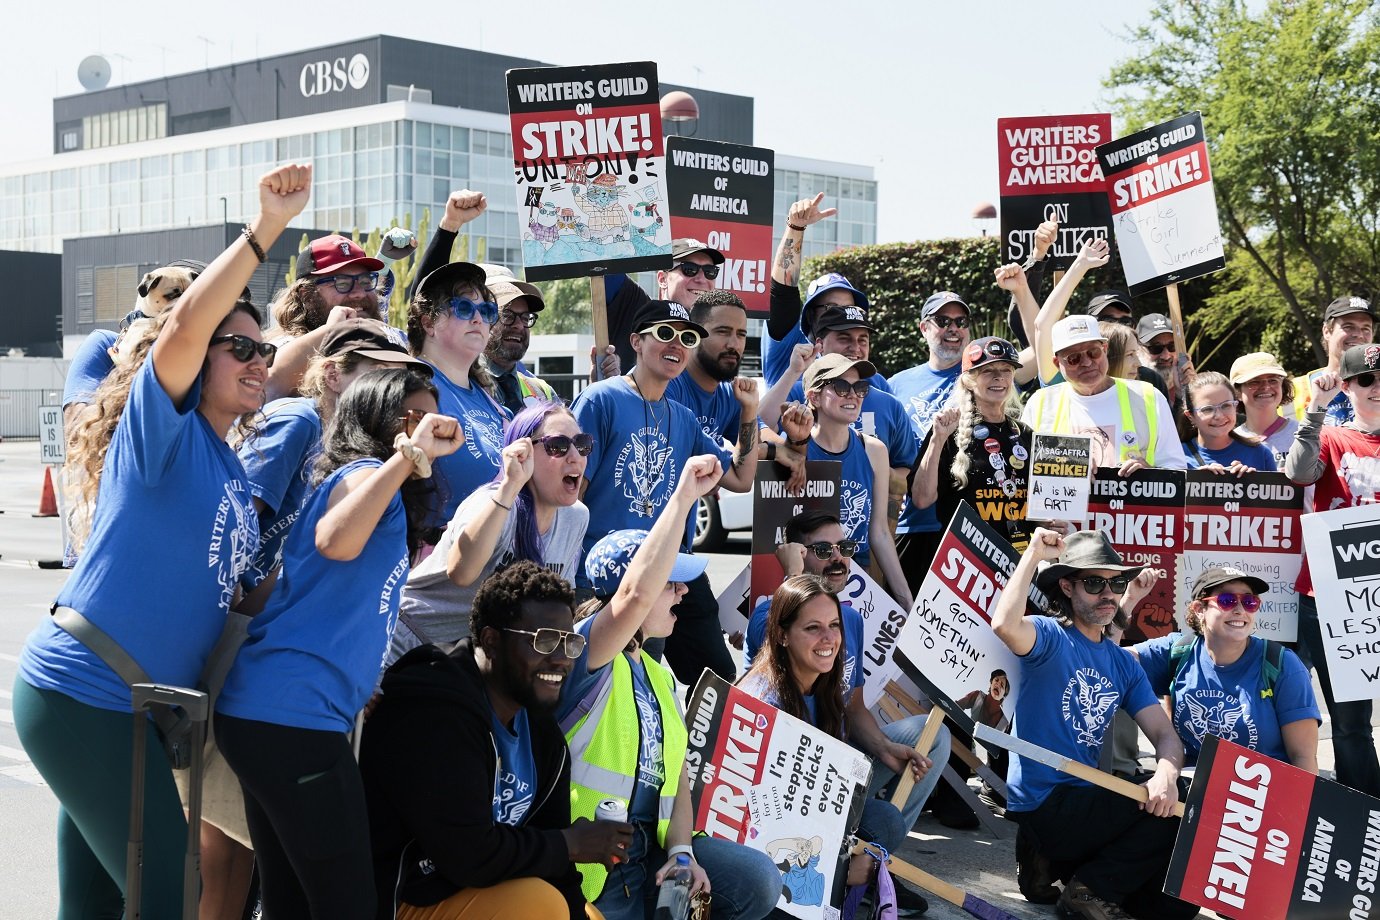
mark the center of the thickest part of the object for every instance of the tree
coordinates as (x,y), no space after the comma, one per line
(1291,103)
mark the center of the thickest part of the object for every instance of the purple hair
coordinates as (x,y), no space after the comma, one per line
(525,425)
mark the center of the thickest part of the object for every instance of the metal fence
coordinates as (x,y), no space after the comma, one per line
(19,411)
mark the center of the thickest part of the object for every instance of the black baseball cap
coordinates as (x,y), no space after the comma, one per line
(1104,299)
(687,246)
(1358,360)
(664,311)
(1344,305)
(834,318)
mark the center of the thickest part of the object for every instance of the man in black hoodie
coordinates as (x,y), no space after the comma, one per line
(467,774)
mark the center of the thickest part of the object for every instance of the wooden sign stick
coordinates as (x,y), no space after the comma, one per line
(599,313)
(906,781)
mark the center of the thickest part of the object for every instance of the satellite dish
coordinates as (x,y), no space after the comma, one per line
(94,72)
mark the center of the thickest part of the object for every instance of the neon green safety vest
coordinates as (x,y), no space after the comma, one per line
(604,745)
(1130,441)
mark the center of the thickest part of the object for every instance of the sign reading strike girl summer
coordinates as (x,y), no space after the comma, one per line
(589,162)
(1163,209)
(1343,549)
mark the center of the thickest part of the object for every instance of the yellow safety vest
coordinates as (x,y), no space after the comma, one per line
(1143,430)
(604,745)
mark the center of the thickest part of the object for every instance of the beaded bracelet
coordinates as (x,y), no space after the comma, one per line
(254,244)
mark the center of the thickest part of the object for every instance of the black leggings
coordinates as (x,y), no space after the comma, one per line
(305,804)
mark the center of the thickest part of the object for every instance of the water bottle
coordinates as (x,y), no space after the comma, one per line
(673,901)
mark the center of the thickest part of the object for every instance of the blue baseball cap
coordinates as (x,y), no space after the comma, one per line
(607,563)
(830,282)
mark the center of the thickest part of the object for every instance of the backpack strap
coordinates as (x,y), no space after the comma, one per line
(1271,666)
(1178,654)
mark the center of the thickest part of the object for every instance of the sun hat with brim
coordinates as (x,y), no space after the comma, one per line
(367,338)
(502,283)
(1220,575)
(607,563)
(831,367)
(1086,549)
(1256,364)
(453,273)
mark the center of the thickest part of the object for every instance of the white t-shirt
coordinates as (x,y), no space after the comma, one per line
(1064,411)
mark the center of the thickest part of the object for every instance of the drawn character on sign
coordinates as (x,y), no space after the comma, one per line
(543,225)
(599,199)
(646,225)
(798,860)
(569,224)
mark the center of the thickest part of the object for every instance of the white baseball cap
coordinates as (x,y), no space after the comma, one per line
(1075,330)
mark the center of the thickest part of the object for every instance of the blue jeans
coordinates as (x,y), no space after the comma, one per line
(744,883)
(1353,742)
(907,731)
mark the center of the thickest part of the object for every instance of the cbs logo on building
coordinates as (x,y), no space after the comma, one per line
(320,77)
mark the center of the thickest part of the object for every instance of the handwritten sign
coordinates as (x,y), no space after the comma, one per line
(1059,468)
(1343,549)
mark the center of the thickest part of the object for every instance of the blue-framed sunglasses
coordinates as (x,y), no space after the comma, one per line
(463,309)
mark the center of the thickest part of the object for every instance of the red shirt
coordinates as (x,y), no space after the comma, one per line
(1351,477)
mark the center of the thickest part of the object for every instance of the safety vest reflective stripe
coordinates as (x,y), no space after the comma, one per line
(1148,422)
(530,387)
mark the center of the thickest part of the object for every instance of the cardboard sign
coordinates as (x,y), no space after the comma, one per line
(1059,484)
(588,156)
(1251,524)
(883,620)
(733,603)
(948,635)
(1049,171)
(1343,549)
(772,507)
(723,195)
(1266,840)
(771,782)
(1163,210)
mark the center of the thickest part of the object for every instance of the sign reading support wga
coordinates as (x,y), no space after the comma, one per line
(52,446)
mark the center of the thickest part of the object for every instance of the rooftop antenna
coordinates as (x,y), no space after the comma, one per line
(93,72)
(206,50)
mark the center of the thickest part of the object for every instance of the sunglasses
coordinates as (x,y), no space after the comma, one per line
(843,387)
(665,332)
(1076,358)
(1222,408)
(344,284)
(691,269)
(410,419)
(1161,349)
(1363,380)
(244,348)
(1096,584)
(944,322)
(824,550)
(463,309)
(1123,320)
(546,640)
(558,445)
(509,318)
(1226,600)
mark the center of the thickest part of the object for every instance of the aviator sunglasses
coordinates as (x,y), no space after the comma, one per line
(547,640)
(244,348)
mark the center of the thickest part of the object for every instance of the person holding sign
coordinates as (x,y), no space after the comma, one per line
(626,733)
(1221,680)
(1210,404)
(1343,464)
(1073,680)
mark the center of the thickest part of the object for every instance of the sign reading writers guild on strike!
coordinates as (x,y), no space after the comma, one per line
(1163,210)
(1343,550)
(1049,171)
(1264,840)
(723,195)
(589,162)
(1252,524)
(773,506)
(774,783)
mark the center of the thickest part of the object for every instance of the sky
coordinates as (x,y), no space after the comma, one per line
(912,89)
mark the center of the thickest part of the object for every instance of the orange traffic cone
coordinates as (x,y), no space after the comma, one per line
(47,504)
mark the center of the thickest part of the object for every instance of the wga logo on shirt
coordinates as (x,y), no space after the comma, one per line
(1088,704)
(1356,551)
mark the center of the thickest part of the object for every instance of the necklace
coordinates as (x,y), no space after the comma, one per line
(653,475)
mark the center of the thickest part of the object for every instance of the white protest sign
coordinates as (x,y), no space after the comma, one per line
(1343,552)
(883,619)
(52,447)
(733,601)
(1059,477)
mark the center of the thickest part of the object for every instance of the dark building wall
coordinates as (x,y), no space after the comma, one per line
(33,303)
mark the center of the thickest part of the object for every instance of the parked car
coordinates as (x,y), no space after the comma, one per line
(717,515)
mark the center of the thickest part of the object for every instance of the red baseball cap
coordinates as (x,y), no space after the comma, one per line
(332,254)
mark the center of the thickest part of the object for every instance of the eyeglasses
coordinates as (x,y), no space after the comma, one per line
(558,445)
(824,550)
(463,309)
(509,318)
(244,348)
(1161,349)
(1096,584)
(344,284)
(410,419)
(1091,354)
(691,269)
(1123,320)
(944,322)
(1222,408)
(665,332)
(545,641)
(843,387)
(1363,380)
(1226,600)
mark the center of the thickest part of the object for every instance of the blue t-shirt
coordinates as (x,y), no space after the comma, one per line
(515,782)
(885,419)
(479,459)
(1258,457)
(314,655)
(922,391)
(174,529)
(852,642)
(855,492)
(1070,690)
(90,365)
(1225,700)
(719,412)
(639,451)
(277,459)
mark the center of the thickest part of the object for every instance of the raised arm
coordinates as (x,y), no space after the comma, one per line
(785,267)
(1008,619)
(879,531)
(462,207)
(925,489)
(739,476)
(1012,279)
(1304,464)
(779,394)
(1094,254)
(475,543)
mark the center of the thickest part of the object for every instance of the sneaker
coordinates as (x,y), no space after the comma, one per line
(1078,901)
(1034,876)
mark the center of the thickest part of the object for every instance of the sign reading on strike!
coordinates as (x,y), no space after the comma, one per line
(1163,209)
(589,161)
(1343,550)
(1059,477)
(1049,171)
(723,196)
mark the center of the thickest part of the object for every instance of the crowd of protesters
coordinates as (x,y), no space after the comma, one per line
(460,590)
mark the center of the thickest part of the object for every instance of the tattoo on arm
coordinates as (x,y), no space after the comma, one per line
(747,443)
(787,260)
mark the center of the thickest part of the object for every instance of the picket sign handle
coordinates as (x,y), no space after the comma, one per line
(946,890)
(1176,317)
(599,313)
(1113,783)
(906,781)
